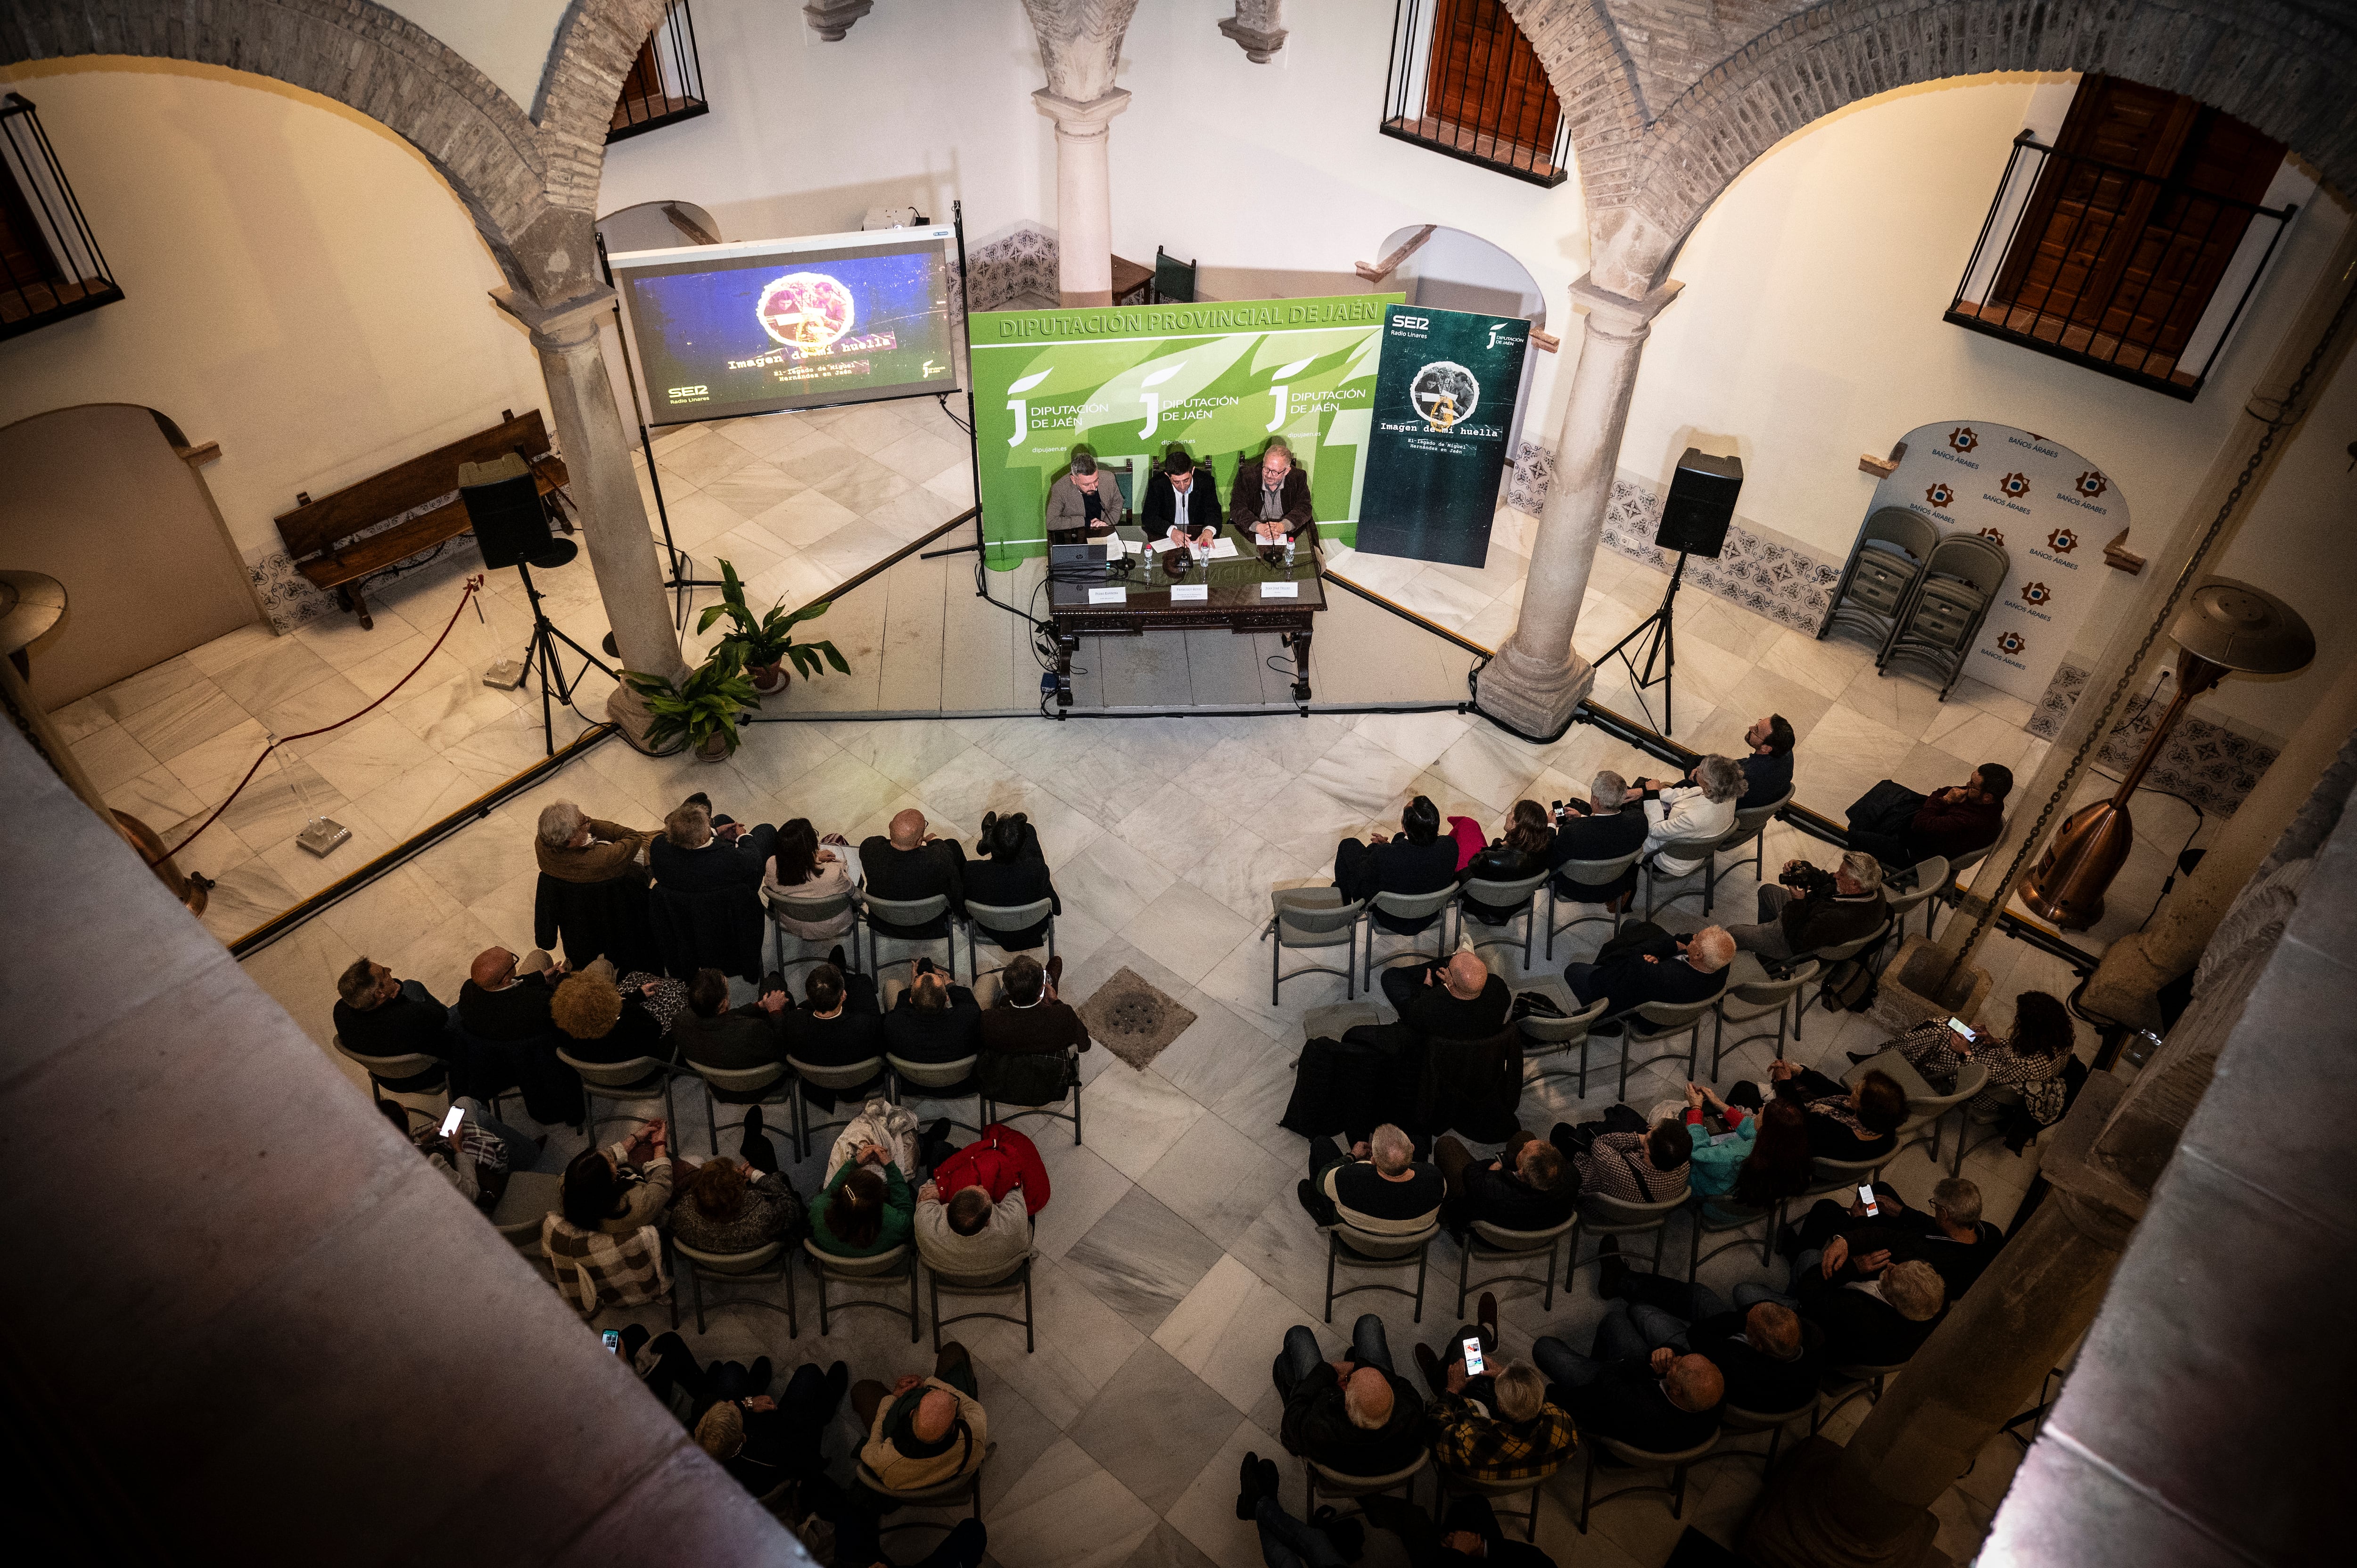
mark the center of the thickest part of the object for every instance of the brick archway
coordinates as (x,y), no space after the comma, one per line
(530,182)
(1666,111)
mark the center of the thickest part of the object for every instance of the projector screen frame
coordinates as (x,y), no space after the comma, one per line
(948,240)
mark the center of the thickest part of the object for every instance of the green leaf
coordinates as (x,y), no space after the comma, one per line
(833,657)
(809,612)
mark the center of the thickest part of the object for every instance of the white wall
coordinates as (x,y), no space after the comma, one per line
(507,40)
(299,284)
(1810,332)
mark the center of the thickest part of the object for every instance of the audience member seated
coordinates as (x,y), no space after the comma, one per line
(1611,823)
(734,1039)
(856,1541)
(1082,504)
(837,1024)
(807,867)
(1529,1187)
(1471,1536)
(765,1442)
(1767,766)
(1418,861)
(1760,1350)
(1270,501)
(1656,1400)
(620,1187)
(1355,1414)
(1702,808)
(1899,827)
(1806,911)
(377,1015)
(1009,871)
(924,1432)
(1444,1369)
(909,864)
(478,1160)
(1523,1438)
(1952,1237)
(506,998)
(2028,1062)
(1458,999)
(1180,505)
(596,1269)
(1618,1157)
(701,853)
(1879,1322)
(1380,1186)
(1846,1244)
(867,1209)
(602,1022)
(1524,849)
(1761,1158)
(934,1021)
(1026,1033)
(725,1207)
(1847,1124)
(574,847)
(1645,964)
(995,1185)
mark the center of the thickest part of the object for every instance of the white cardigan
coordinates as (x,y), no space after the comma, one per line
(1686,812)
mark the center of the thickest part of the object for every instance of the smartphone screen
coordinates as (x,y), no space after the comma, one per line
(1866,1196)
(450,1122)
(1474,1366)
(613,1341)
(1960,1026)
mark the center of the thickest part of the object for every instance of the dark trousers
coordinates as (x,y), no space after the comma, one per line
(1660,1310)
(1485,1386)
(1401,982)
(1288,1543)
(1879,820)
(1453,1157)
(1300,1356)
(856,1542)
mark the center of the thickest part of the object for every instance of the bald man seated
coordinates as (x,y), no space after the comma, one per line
(1353,1414)
(909,862)
(1760,1352)
(506,997)
(1658,1400)
(1455,1000)
(924,1432)
(1645,964)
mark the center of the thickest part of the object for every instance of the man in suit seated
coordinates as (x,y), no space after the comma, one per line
(934,1021)
(1355,1414)
(1180,503)
(1082,504)
(1805,910)
(1759,1351)
(1899,827)
(1379,1186)
(1645,964)
(1458,999)
(837,1024)
(1270,503)
(1767,766)
(1418,861)
(1656,1400)
(1869,1323)
(1529,1187)
(911,864)
(377,1015)
(1010,870)
(1609,825)
(506,998)
(701,853)
(1846,1244)
(713,1034)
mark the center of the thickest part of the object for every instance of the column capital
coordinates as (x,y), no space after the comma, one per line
(565,325)
(1618,313)
(1077,119)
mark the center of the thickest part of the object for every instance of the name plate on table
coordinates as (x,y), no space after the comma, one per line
(1280,590)
(1108,595)
(1183,591)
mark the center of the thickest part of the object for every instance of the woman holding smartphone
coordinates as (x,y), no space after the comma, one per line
(2028,1062)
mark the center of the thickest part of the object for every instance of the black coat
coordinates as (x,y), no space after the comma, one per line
(1316,1426)
(905,876)
(720,864)
(1755,1379)
(1397,866)
(1009,884)
(1501,863)
(1501,1197)
(1607,836)
(935,1035)
(1864,1330)
(1629,981)
(739,1038)
(1159,514)
(1766,780)
(723,928)
(1473,1086)
(592,919)
(399,1027)
(1626,1402)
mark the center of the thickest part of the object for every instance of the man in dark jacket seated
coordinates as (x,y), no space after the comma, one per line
(1527,1187)
(505,998)
(1181,502)
(1645,964)
(377,1015)
(1610,825)
(934,1021)
(1025,1036)
(701,853)
(1418,861)
(910,864)
(713,1034)
(1767,767)
(1380,1186)
(1849,1245)
(1010,871)
(1269,502)
(838,1024)
(1805,910)
(1761,1352)
(1458,999)
(1655,1400)
(1355,1415)
(1899,827)
(1873,1323)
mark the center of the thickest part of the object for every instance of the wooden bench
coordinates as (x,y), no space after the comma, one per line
(326,537)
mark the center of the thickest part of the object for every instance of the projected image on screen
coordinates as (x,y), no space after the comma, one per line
(735,329)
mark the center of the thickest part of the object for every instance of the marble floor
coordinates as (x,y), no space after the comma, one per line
(1174,1255)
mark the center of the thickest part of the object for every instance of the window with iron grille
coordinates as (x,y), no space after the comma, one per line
(1465,81)
(50,266)
(665,83)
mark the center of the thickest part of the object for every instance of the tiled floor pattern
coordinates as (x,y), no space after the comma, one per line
(1174,1255)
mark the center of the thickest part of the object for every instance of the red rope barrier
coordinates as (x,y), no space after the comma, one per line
(473,585)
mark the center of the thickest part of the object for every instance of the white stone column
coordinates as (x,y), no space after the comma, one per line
(1538,678)
(604,489)
(1083,193)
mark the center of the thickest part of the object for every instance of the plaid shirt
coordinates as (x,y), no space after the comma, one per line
(1485,1448)
(595,1270)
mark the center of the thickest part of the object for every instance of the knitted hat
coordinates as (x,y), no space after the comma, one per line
(585,1007)
(721,1433)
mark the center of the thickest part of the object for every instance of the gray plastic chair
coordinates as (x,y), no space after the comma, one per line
(1719,1215)
(766,1085)
(1366,1250)
(771,1264)
(786,907)
(932,1078)
(1703,849)
(1829,1178)
(1746,1000)
(1600,1214)
(998,1111)
(1734,1421)
(1592,872)
(1005,920)
(1452,1485)
(1957,869)
(1629,1454)
(1751,827)
(911,912)
(1927,1118)
(1653,1022)
(948,1493)
(531,1197)
(999,1281)
(1832,958)
(1333,1483)
(899,1262)
(1521,894)
(412,1073)
(1310,920)
(1931,876)
(1491,1243)
(839,1080)
(642,1082)
(1545,1037)
(1408,907)
(1951,597)
(1880,573)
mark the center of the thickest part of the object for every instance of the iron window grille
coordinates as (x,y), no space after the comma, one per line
(1463,80)
(2149,281)
(665,83)
(50,265)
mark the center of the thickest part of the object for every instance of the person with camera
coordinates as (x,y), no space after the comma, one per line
(1808,908)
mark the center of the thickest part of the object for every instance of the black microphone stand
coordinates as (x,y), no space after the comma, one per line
(1659,632)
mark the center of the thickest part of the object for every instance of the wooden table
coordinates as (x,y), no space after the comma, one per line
(1130,278)
(1234,600)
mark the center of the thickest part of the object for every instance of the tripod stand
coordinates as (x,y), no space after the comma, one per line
(1660,633)
(542,651)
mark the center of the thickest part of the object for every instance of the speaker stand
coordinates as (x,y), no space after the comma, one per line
(1661,644)
(541,650)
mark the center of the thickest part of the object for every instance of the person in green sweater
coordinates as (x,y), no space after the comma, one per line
(867,1209)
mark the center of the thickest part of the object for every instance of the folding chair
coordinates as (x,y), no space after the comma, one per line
(1592,874)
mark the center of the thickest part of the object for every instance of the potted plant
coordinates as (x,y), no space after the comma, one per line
(762,644)
(701,710)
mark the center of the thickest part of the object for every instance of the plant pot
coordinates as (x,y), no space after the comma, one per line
(713,748)
(769,679)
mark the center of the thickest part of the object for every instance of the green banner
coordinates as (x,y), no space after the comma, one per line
(1444,404)
(1220,378)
